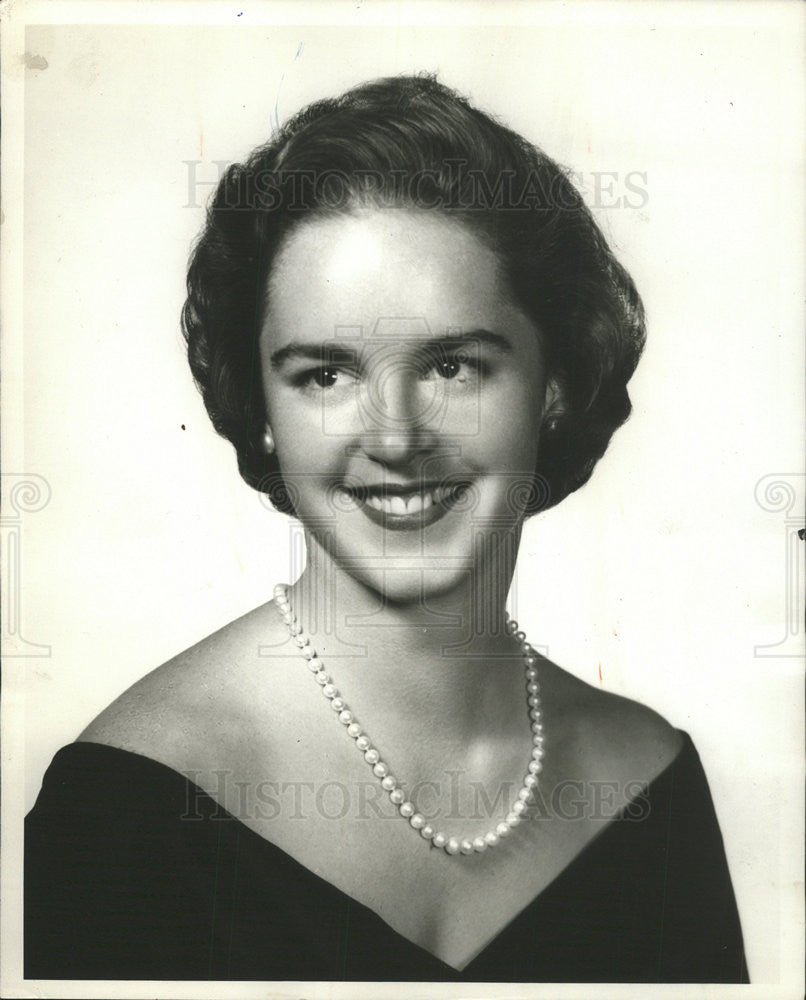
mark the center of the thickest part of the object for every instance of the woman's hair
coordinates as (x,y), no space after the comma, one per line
(410,142)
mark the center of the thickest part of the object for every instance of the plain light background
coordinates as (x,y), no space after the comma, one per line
(657,580)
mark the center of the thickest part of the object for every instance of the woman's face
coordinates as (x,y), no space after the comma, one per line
(404,389)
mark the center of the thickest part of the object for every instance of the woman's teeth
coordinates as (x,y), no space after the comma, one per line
(414,503)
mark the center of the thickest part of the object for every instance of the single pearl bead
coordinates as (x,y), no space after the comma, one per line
(452,847)
(322,678)
(345,717)
(406,810)
(513,819)
(491,838)
(533,700)
(372,756)
(417,820)
(439,840)
(520,636)
(479,844)
(397,796)
(301,640)
(533,687)
(329,691)
(535,767)
(539,768)
(526,649)
(338,704)
(315,663)
(538,752)
(279,590)
(388,783)
(530,781)
(466,846)
(308,652)
(531,674)
(537,727)
(283,605)
(524,794)
(363,743)
(380,769)
(519,807)
(530,661)
(427,831)
(536,714)
(502,830)
(288,617)
(512,626)
(295,629)
(354,730)
(537,739)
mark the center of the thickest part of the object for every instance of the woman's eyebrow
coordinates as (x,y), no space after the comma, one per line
(330,350)
(307,352)
(494,340)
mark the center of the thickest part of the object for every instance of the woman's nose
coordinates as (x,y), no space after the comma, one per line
(396,415)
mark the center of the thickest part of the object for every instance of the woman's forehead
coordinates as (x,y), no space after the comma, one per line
(384,267)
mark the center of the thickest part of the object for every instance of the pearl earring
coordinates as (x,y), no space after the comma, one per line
(268,440)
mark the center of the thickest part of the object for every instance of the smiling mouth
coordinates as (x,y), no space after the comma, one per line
(405,507)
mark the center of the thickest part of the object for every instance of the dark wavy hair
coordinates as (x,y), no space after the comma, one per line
(411,142)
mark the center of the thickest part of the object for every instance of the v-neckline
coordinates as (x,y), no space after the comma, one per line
(305,872)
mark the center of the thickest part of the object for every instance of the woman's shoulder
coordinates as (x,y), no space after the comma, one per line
(199,697)
(604,734)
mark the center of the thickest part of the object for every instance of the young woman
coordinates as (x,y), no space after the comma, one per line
(409,326)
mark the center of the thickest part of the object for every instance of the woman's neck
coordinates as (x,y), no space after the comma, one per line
(434,658)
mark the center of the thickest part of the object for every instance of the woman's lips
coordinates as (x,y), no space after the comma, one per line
(404,509)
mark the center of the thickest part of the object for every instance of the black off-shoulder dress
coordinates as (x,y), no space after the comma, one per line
(118,885)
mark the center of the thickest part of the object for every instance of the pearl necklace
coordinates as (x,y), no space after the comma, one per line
(390,784)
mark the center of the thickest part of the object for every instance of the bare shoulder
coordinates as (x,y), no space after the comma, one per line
(605,734)
(196,697)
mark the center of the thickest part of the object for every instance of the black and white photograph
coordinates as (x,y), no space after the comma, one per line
(403,499)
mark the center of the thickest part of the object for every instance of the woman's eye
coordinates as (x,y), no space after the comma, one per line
(449,366)
(325,377)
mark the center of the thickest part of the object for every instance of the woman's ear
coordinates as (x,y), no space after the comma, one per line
(268,441)
(553,404)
